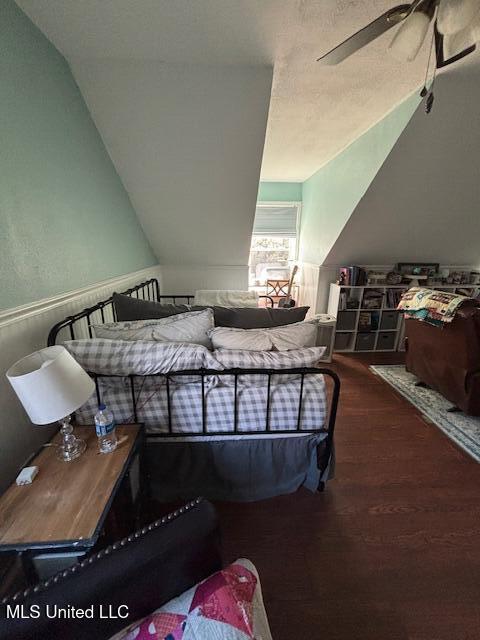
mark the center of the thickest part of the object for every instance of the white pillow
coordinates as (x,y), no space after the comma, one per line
(240,339)
(191,327)
(284,338)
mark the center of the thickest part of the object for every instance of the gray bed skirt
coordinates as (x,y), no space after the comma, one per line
(241,470)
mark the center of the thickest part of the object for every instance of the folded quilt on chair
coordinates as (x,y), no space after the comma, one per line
(226,606)
(434,307)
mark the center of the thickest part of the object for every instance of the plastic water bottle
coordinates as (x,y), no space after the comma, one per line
(105,428)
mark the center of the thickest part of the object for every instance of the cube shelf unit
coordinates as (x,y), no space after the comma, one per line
(383,335)
(387,335)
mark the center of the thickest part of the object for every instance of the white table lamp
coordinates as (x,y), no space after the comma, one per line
(51,385)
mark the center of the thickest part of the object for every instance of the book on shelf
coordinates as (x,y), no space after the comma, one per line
(393,297)
(346,302)
(352,276)
(372,299)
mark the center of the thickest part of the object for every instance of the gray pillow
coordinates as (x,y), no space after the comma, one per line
(261,318)
(128,308)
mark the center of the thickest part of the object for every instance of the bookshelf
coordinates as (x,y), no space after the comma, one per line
(367,319)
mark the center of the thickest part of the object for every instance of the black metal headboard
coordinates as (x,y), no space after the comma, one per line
(104,311)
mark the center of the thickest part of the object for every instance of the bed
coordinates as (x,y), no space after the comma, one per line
(227,432)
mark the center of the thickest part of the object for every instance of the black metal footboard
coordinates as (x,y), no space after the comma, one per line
(202,374)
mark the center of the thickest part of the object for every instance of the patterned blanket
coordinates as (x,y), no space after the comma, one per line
(434,307)
(226,606)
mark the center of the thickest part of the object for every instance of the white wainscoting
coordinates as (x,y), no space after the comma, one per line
(24,330)
(308,290)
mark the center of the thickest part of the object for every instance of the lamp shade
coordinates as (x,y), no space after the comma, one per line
(50,384)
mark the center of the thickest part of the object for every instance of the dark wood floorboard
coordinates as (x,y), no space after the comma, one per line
(391,550)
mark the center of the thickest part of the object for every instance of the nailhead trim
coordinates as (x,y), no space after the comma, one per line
(103,552)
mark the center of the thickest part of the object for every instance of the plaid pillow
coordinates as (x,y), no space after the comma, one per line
(140,357)
(190,327)
(293,359)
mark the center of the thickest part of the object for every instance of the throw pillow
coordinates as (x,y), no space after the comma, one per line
(260,318)
(139,357)
(285,338)
(128,308)
(191,327)
(294,359)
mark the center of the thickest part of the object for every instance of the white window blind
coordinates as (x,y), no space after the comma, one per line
(275,221)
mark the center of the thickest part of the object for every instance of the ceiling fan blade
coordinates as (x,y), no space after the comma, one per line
(372,31)
(450,49)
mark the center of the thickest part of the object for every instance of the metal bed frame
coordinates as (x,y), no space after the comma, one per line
(149,290)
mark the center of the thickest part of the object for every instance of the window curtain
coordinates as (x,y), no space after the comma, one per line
(275,221)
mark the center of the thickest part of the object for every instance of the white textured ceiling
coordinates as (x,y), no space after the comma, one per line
(315,111)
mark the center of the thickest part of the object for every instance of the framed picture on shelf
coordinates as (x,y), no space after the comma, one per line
(368,321)
(429,269)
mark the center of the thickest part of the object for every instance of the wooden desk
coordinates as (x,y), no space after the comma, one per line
(65,507)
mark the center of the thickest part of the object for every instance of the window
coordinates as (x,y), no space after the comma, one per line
(274,242)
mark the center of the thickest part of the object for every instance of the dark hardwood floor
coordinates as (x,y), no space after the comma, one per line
(391,550)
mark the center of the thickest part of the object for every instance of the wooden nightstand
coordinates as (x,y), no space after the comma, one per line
(61,516)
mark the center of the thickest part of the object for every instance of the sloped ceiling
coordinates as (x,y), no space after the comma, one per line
(315,111)
(332,193)
(187,142)
(424,203)
(180,93)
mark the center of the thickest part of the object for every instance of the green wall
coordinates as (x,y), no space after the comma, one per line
(280,192)
(333,192)
(66,219)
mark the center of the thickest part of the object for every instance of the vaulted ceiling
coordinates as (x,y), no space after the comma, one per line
(315,111)
(180,92)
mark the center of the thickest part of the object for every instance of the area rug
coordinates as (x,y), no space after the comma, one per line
(462,429)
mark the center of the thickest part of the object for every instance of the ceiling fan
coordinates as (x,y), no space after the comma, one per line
(456,31)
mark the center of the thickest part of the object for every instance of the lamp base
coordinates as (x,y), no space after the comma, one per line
(73,451)
(71,447)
